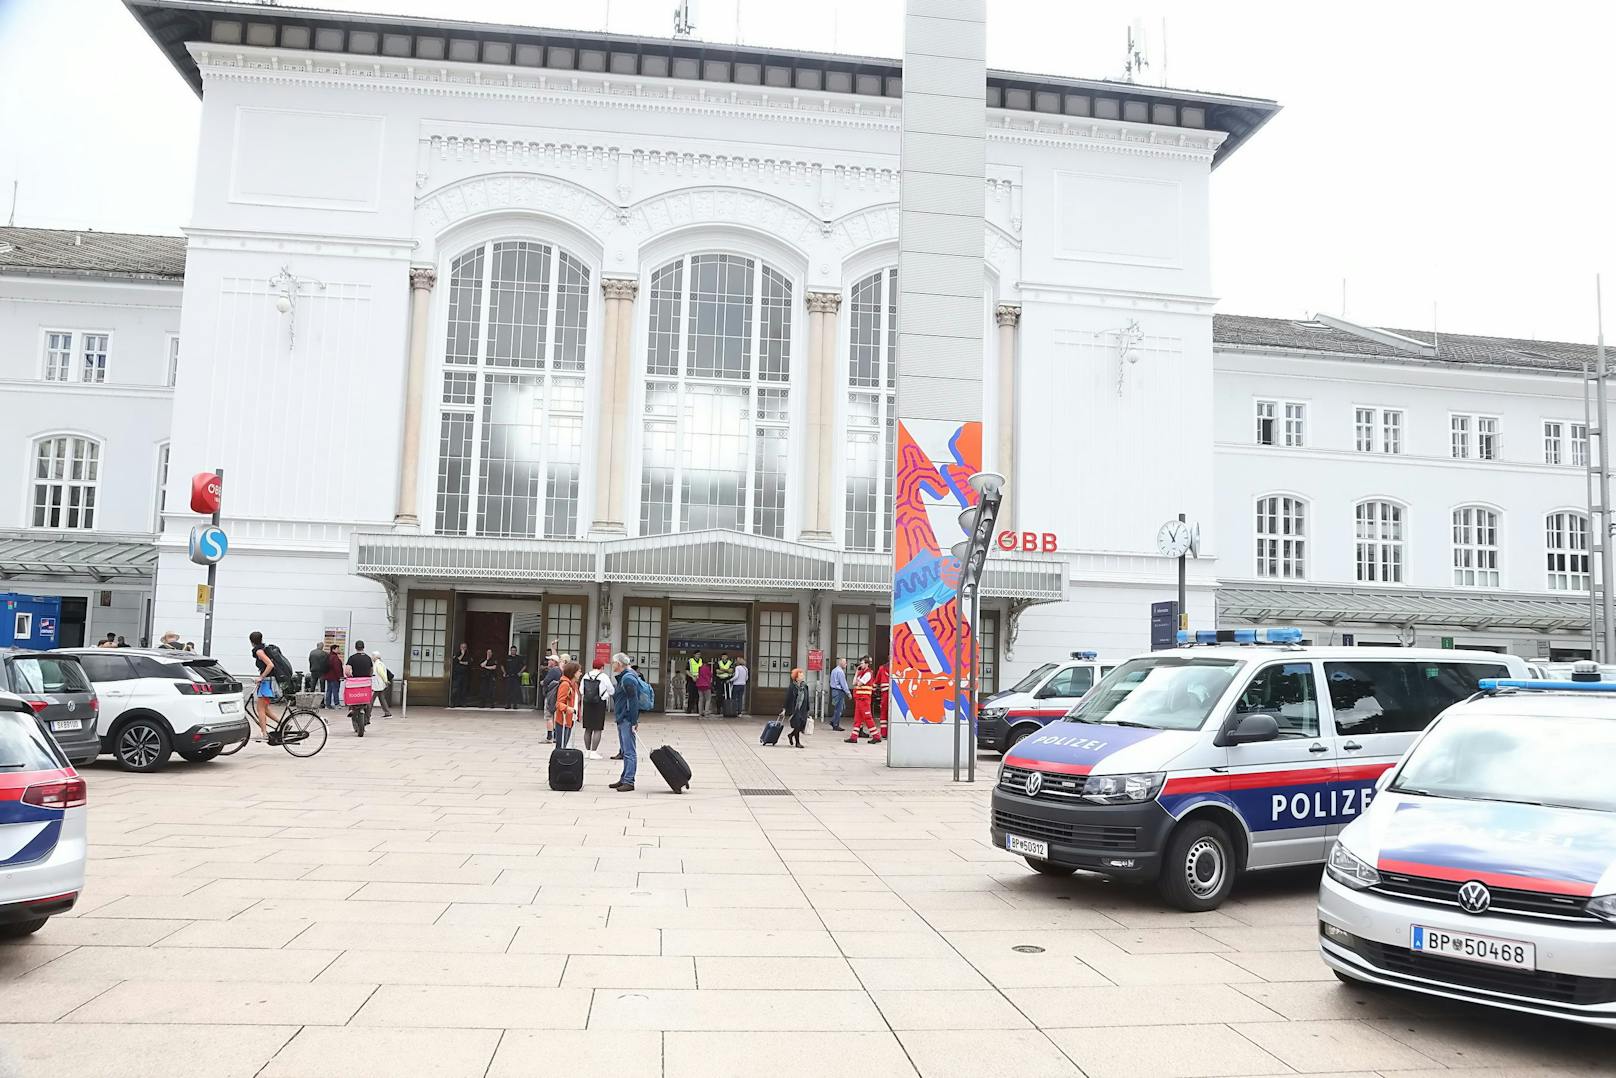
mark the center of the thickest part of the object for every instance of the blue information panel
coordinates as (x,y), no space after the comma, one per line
(1163,625)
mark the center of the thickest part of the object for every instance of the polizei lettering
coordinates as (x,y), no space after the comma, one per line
(1320,804)
(1087,744)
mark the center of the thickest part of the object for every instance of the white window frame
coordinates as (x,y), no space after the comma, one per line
(1266,410)
(1554,441)
(160,501)
(886,406)
(47,366)
(1288,419)
(1371,551)
(33,483)
(1560,550)
(1482,563)
(1287,547)
(1577,447)
(1380,437)
(1465,435)
(171,350)
(83,356)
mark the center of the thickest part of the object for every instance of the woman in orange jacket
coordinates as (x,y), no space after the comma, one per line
(566,705)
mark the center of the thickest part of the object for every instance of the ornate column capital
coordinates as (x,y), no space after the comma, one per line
(423,278)
(1007,314)
(619,287)
(824,302)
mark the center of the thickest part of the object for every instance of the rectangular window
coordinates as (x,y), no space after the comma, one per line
(58,356)
(1285,691)
(1486,437)
(95,358)
(1295,424)
(1553,442)
(1459,429)
(429,638)
(1364,429)
(1282,423)
(1378,430)
(173,358)
(1391,430)
(1567,542)
(1281,537)
(1399,697)
(1475,548)
(644,635)
(1579,445)
(1266,411)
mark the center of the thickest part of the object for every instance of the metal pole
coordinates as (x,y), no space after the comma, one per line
(1607,556)
(959,644)
(1593,518)
(1183,599)
(213,575)
(976,680)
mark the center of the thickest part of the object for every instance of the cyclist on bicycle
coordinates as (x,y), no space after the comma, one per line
(267,689)
(360,665)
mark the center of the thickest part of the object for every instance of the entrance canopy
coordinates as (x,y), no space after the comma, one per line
(69,559)
(690,560)
(1401,606)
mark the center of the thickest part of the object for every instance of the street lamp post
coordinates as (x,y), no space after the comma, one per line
(977,522)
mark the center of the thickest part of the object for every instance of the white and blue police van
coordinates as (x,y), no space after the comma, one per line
(1240,749)
(1485,868)
(1044,695)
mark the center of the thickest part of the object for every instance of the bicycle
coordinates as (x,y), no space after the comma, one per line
(299,730)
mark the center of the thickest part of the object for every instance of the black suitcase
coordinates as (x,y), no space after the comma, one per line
(567,769)
(732,704)
(771,732)
(671,763)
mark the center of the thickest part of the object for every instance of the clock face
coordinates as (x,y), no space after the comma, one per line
(1174,538)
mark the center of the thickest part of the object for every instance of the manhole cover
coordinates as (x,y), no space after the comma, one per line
(1027,948)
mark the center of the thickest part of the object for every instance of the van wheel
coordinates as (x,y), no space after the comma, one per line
(201,756)
(1015,735)
(1049,868)
(1198,867)
(142,745)
(16,930)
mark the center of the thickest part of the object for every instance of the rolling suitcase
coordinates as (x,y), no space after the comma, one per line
(567,769)
(732,704)
(671,763)
(771,732)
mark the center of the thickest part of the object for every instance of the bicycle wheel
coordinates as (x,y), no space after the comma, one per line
(301,733)
(230,750)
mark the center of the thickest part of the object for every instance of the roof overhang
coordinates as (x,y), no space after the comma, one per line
(92,559)
(173,24)
(1400,607)
(696,561)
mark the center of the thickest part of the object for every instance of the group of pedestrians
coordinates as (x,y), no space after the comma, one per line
(716,687)
(867,693)
(328,669)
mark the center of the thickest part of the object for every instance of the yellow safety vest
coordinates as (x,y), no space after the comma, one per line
(695,667)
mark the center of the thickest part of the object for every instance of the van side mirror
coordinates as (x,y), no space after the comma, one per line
(1249,729)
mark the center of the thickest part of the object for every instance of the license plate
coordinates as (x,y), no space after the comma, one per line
(229,707)
(65,724)
(1028,846)
(1513,954)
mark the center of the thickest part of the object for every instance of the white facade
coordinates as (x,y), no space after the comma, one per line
(85,362)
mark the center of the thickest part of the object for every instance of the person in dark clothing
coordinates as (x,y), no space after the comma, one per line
(796,710)
(490,668)
(333,677)
(514,665)
(547,695)
(460,676)
(317,667)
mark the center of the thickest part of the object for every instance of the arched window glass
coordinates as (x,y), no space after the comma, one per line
(1475,547)
(510,443)
(872,351)
(1282,537)
(1379,527)
(717,397)
(66,476)
(1567,540)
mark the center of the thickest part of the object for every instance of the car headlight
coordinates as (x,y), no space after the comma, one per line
(1603,907)
(1348,869)
(992,714)
(1123,789)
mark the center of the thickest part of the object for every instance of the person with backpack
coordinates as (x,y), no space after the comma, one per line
(596,695)
(704,688)
(381,683)
(633,695)
(267,688)
(547,696)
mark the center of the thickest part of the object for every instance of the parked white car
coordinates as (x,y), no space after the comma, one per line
(42,830)
(156,702)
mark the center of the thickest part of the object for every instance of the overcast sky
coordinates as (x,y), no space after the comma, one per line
(1449,160)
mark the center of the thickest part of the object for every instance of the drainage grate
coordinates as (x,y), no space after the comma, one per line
(765,793)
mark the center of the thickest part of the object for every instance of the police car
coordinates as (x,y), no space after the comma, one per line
(1485,870)
(42,832)
(1238,750)
(1041,697)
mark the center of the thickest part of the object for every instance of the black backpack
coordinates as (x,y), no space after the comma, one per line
(279,668)
(591,690)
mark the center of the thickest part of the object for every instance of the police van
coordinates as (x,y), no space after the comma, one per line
(1242,749)
(1041,697)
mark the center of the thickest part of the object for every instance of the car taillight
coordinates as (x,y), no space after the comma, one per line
(38,706)
(95,704)
(194,688)
(64,794)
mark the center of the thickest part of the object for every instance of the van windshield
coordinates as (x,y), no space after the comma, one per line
(1160,693)
(1030,682)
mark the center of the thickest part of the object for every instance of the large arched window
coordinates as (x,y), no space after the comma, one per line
(510,443)
(1566,536)
(872,352)
(717,397)
(1282,537)
(1475,547)
(66,474)
(1379,530)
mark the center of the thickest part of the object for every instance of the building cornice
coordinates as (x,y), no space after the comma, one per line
(36,387)
(1408,362)
(337,246)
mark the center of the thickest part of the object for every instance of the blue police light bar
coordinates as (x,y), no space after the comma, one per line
(1281,635)
(1085,654)
(1493,684)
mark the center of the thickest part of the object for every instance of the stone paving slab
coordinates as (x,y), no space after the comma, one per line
(420,902)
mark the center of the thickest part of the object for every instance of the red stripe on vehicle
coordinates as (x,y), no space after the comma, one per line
(1302,776)
(1197,784)
(1362,772)
(1031,713)
(1495,879)
(1049,765)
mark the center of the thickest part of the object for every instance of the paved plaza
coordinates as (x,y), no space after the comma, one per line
(420,903)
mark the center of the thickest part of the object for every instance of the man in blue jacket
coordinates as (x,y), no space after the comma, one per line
(626,707)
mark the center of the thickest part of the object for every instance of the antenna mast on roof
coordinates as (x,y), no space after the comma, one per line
(12,220)
(682,26)
(1135,63)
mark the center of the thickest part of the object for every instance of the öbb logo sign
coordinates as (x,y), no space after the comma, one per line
(1029,542)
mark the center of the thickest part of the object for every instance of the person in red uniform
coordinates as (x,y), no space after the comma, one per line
(863,695)
(881,701)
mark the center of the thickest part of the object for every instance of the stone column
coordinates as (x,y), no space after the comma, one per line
(1009,317)
(422,280)
(820,412)
(611,421)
